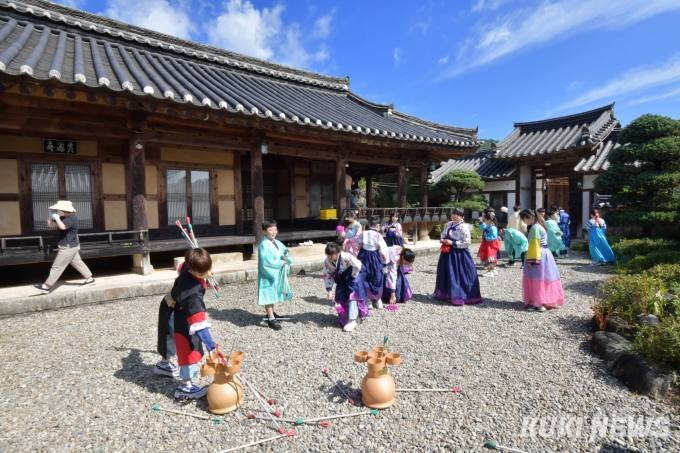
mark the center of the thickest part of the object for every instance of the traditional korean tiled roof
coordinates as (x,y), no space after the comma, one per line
(579,132)
(45,41)
(482,163)
(599,161)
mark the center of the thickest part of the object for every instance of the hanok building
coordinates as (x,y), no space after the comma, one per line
(545,163)
(140,129)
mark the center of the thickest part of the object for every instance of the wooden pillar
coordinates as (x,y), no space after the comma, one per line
(238,193)
(257,187)
(293,195)
(340,186)
(141,263)
(401,188)
(424,189)
(369,191)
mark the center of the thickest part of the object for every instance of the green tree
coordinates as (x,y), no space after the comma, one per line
(644,176)
(460,188)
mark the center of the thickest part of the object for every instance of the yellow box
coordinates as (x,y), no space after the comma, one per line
(328,214)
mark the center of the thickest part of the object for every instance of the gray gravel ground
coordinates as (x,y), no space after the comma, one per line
(81,379)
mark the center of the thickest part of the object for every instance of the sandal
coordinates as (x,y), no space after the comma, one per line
(44,288)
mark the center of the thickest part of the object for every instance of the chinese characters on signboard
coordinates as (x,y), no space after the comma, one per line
(60,146)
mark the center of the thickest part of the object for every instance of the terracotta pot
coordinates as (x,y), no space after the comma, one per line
(380,349)
(208,369)
(237,355)
(393,358)
(234,366)
(377,356)
(361,356)
(377,388)
(225,394)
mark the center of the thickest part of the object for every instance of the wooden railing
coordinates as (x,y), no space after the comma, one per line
(32,249)
(407,216)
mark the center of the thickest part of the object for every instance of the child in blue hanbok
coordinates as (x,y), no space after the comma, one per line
(600,251)
(346,271)
(273,268)
(394,233)
(351,234)
(457,280)
(373,256)
(397,288)
(564,222)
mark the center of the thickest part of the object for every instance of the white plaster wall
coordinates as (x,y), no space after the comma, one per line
(585,212)
(589,181)
(493,186)
(511,200)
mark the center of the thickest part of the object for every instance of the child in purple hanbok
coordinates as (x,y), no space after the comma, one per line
(457,280)
(541,282)
(346,271)
(374,256)
(397,287)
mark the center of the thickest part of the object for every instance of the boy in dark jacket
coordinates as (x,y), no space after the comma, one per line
(191,326)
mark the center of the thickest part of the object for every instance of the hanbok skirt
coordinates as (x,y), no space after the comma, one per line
(350,289)
(600,251)
(488,250)
(566,236)
(352,246)
(375,279)
(403,290)
(394,239)
(457,280)
(541,282)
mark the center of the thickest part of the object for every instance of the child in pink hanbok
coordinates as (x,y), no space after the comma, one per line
(352,234)
(541,282)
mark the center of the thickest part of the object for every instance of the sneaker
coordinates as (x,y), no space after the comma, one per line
(485,274)
(350,326)
(541,308)
(168,369)
(89,281)
(378,304)
(274,324)
(495,273)
(190,391)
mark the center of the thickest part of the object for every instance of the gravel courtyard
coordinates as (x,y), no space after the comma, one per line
(81,379)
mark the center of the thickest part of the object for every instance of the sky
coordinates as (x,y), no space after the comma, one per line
(470,63)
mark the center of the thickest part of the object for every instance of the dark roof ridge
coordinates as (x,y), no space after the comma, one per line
(571,117)
(114,28)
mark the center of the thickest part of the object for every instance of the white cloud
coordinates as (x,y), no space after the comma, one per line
(71,3)
(396,56)
(322,26)
(443,60)
(159,15)
(262,33)
(487,5)
(674,93)
(631,81)
(545,21)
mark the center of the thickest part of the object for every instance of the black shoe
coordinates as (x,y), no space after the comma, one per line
(277,316)
(273,324)
(42,288)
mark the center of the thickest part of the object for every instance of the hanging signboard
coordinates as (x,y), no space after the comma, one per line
(53,146)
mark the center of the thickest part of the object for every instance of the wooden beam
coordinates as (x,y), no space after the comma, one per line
(369,191)
(238,193)
(137,173)
(340,189)
(401,186)
(424,189)
(257,185)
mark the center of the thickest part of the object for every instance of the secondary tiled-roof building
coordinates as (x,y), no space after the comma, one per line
(140,129)
(547,162)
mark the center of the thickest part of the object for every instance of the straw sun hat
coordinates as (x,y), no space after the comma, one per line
(63,205)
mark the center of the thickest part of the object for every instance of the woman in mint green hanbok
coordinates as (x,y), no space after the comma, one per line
(555,244)
(273,268)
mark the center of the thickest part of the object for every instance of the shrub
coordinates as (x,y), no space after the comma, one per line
(627,248)
(668,274)
(641,263)
(630,295)
(661,342)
